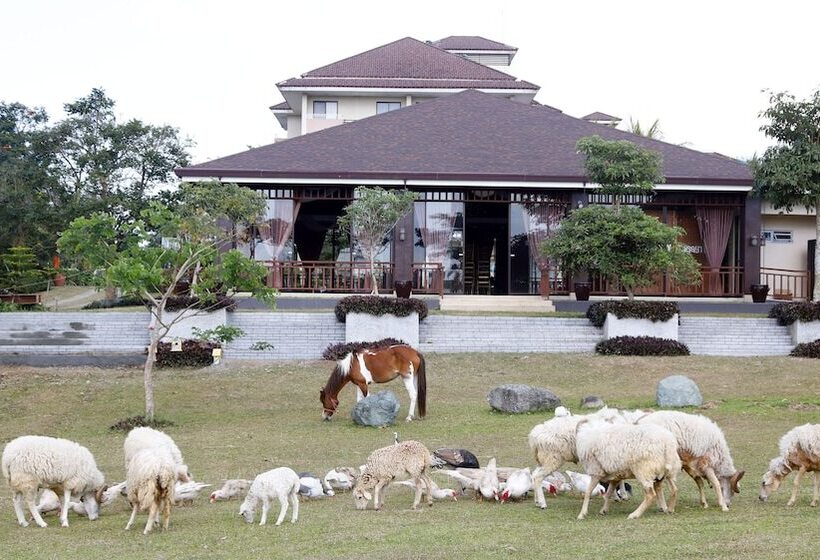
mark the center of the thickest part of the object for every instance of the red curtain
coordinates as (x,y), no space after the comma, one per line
(714,224)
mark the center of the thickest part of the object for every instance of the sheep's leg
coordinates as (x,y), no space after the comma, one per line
(166,513)
(133,516)
(607,497)
(429,484)
(673,494)
(713,480)
(21,513)
(816,495)
(593,482)
(153,511)
(699,481)
(658,486)
(283,508)
(378,494)
(796,486)
(64,509)
(265,508)
(294,502)
(537,478)
(410,385)
(31,501)
(648,498)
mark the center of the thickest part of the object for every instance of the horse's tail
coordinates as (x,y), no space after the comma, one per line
(421,386)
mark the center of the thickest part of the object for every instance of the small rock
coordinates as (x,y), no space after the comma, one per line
(516,398)
(376,409)
(592,401)
(678,390)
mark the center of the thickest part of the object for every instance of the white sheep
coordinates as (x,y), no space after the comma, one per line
(703,451)
(553,444)
(144,438)
(282,484)
(33,462)
(150,480)
(231,489)
(615,452)
(799,449)
(408,459)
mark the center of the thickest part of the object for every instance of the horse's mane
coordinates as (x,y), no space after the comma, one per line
(339,351)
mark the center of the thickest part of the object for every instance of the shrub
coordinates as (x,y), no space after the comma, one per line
(377,305)
(807,350)
(20,273)
(788,313)
(338,351)
(222,334)
(641,346)
(124,301)
(219,301)
(631,309)
(195,353)
(128,424)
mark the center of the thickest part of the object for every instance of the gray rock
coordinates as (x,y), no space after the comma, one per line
(592,401)
(376,409)
(517,398)
(678,390)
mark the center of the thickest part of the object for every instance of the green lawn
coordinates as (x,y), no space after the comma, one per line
(240,420)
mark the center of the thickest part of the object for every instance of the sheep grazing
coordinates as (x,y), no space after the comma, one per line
(144,438)
(282,484)
(151,478)
(615,452)
(703,451)
(33,462)
(408,459)
(800,450)
(231,489)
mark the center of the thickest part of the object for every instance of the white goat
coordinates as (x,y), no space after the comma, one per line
(151,477)
(33,462)
(799,449)
(145,438)
(615,452)
(282,484)
(408,459)
(703,451)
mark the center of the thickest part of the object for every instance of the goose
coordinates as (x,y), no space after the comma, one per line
(338,479)
(438,493)
(230,489)
(517,485)
(311,486)
(186,492)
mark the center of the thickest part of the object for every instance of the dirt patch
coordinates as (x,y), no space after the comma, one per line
(804,407)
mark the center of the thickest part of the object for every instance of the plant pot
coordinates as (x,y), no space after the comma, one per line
(582,291)
(759,292)
(59,280)
(404,288)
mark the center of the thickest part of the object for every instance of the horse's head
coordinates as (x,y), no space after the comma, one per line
(329,404)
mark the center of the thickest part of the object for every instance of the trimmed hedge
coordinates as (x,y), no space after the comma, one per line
(641,346)
(807,350)
(178,303)
(377,305)
(125,301)
(789,312)
(195,353)
(631,309)
(128,424)
(335,352)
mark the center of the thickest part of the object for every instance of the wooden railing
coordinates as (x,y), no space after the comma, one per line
(349,277)
(725,281)
(785,283)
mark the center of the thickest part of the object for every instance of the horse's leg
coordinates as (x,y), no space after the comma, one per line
(410,385)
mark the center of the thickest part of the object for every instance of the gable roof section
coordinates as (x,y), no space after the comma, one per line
(599,116)
(468,136)
(471,43)
(407,63)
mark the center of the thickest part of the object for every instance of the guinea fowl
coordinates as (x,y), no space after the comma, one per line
(438,493)
(450,458)
(231,489)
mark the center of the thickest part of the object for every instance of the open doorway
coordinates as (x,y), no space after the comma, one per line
(486,248)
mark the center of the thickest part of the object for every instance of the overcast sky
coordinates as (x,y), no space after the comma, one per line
(210,68)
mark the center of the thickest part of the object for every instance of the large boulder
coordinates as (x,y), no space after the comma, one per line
(516,398)
(376,409)
(678,390)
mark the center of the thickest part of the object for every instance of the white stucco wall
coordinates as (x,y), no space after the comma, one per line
(787,255)
(362,327)
(804,332)
(640,327)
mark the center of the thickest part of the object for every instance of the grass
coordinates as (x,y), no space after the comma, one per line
(240,420)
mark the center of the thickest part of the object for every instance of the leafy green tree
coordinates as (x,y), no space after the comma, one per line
(654,130)
(20,273)
(371,217)
(149,256)
(788,173)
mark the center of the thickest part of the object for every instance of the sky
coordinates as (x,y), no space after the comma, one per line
(210,68)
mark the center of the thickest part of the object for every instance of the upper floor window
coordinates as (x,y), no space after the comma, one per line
(778,236)
(325,109)
(387,106)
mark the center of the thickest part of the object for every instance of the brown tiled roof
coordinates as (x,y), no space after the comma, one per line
(471,43)
(283,106)
(407,63)
(465,136)
(599,116)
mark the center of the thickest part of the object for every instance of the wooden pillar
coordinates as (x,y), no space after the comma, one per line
(751,254)
(403,236)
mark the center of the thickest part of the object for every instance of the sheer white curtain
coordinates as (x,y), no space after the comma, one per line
(540,222)
(436,221)
(275,231)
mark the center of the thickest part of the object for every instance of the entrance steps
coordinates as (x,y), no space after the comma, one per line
(732,336)
(496,303)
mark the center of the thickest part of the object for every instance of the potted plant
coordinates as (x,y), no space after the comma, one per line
(759,292)
(582,290)
(404,288)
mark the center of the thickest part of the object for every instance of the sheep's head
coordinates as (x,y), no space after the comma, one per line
(361,494)
(329,404)
(248,509)
(183,474)
(778,470)
(729,486)
(91,501)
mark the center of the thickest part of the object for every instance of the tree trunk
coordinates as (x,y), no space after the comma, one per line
(374,285)
(148,380)
(816,292)
(630,293)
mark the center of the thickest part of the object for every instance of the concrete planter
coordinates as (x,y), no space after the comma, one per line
(614,327)
(202,321)
(363,327)
(802,331)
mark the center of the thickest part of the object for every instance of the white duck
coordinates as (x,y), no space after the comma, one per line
(561,411)
(581,482)
(187,492)
(338,479)
(49,501)
(230,489)
(438,493)
(556,483)
(489,485)
(518,484)
(311,486)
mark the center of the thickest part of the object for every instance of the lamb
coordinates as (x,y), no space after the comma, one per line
(408,459)
(282,484)
(151,478)
(615,452)
(703,451)
(143,438)
(33,462)
(799,449)
(231,489)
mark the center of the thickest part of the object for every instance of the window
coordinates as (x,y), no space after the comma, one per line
(325,109)
(777,236)
(387,106)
